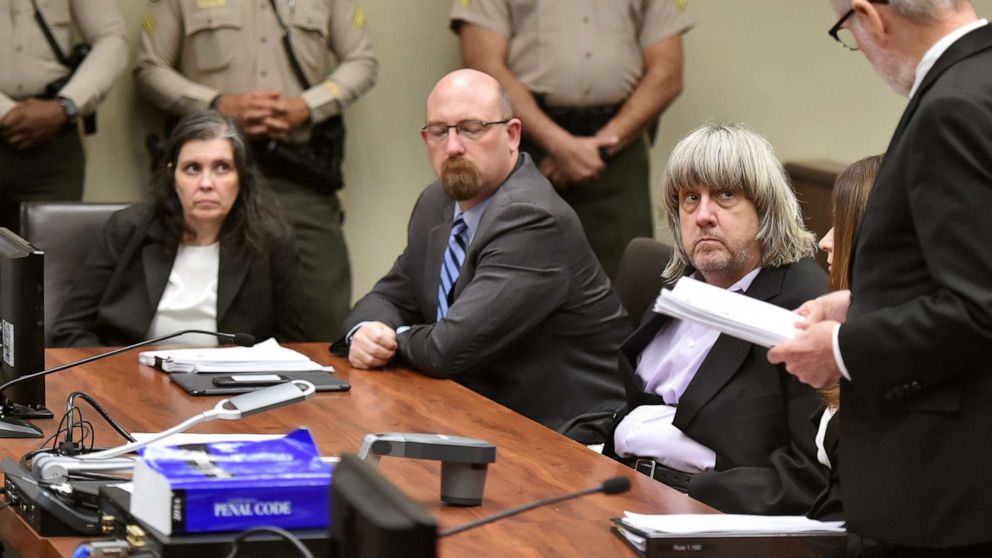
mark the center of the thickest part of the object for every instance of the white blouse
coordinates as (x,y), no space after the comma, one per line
(190,297)
(821,434)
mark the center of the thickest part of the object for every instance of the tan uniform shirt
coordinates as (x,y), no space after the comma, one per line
(577,53)
(27,63)
(194,50)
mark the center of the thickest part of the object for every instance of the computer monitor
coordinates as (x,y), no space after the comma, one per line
(22,334)
(371,518)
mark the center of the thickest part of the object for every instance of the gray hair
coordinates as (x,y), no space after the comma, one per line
(919,11)
(732,156)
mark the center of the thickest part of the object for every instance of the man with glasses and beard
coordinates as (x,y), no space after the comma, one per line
(497,288)
(909,341)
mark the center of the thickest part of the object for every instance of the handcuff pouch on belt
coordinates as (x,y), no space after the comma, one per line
(316,163)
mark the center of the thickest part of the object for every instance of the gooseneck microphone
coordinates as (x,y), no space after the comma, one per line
(616,485)
(242,339)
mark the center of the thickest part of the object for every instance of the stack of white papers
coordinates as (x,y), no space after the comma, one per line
(731,313)
(267,356)
(718,523)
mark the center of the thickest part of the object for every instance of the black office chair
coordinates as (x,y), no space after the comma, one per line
(639,278)
(65,231)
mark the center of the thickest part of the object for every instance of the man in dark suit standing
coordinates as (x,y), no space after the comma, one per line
(707,413)
(497,288)
(911,337)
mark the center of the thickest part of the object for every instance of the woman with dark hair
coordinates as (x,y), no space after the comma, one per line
(850,196)
(208,252)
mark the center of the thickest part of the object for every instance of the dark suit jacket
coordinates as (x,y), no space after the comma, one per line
(754,415)
(916,419)
(116,295)
(828,505)
(534,324)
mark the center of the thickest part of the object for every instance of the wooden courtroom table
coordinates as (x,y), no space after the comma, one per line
(532,461)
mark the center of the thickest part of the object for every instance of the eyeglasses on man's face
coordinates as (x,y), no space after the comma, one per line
(470,130)
(842,34)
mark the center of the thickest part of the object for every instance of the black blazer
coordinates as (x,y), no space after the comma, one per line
(916,419)
(534,324)
(115,296)
(754,415)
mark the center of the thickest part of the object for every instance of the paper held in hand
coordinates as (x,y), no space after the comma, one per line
(732,313)
(267,356)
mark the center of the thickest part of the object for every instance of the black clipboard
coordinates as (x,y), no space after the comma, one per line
(734,545)
(203,384)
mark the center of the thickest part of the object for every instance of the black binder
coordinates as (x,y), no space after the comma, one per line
(727,545)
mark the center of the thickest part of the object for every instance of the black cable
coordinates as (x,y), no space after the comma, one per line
(71,402)
(68,446)
(278,531)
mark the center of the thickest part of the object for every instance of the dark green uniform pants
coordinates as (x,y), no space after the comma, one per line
(616,207)
(51,171)
(325,271)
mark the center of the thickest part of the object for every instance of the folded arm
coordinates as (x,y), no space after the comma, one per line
(518,281)
(791,480)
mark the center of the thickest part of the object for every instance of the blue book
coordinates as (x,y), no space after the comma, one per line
(231,486)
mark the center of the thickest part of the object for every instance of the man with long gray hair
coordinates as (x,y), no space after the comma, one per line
(911,337)
(707,413)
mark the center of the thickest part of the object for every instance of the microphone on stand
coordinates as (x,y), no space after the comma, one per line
(616,485)
(13,428)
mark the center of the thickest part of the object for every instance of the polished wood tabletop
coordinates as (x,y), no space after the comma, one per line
(532,461)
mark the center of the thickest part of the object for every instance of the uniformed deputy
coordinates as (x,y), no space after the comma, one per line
(588,79)
(229,54)
(41,154)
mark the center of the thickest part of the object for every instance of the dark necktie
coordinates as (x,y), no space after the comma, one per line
(454,256)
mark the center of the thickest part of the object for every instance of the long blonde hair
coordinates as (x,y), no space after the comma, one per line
(732,156)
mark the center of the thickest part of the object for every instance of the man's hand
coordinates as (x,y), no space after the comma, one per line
(372,346)
(576,159)
(296,112)
(831,306)
(257,112)
(810,356)
(32,121)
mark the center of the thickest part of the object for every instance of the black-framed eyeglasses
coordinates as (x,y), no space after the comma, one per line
(842,34)
(467,129)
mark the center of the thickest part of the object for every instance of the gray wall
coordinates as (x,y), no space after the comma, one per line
(769,63)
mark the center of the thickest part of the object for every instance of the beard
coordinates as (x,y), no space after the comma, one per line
(461,179)
(732,259)
(897,72)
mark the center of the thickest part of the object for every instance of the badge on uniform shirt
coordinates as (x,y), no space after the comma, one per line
(680,4)
(206,4)
(148,22)
(358,19)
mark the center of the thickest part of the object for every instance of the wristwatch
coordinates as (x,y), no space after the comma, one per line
(68,108)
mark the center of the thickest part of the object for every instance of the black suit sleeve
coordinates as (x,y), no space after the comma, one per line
(519,281)
(942,331)
(791,480)
(393,299)
(77,322)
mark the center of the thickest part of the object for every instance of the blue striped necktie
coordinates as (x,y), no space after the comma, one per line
(452,264)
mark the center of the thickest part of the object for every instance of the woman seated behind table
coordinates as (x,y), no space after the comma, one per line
(850,196)
(209,252)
